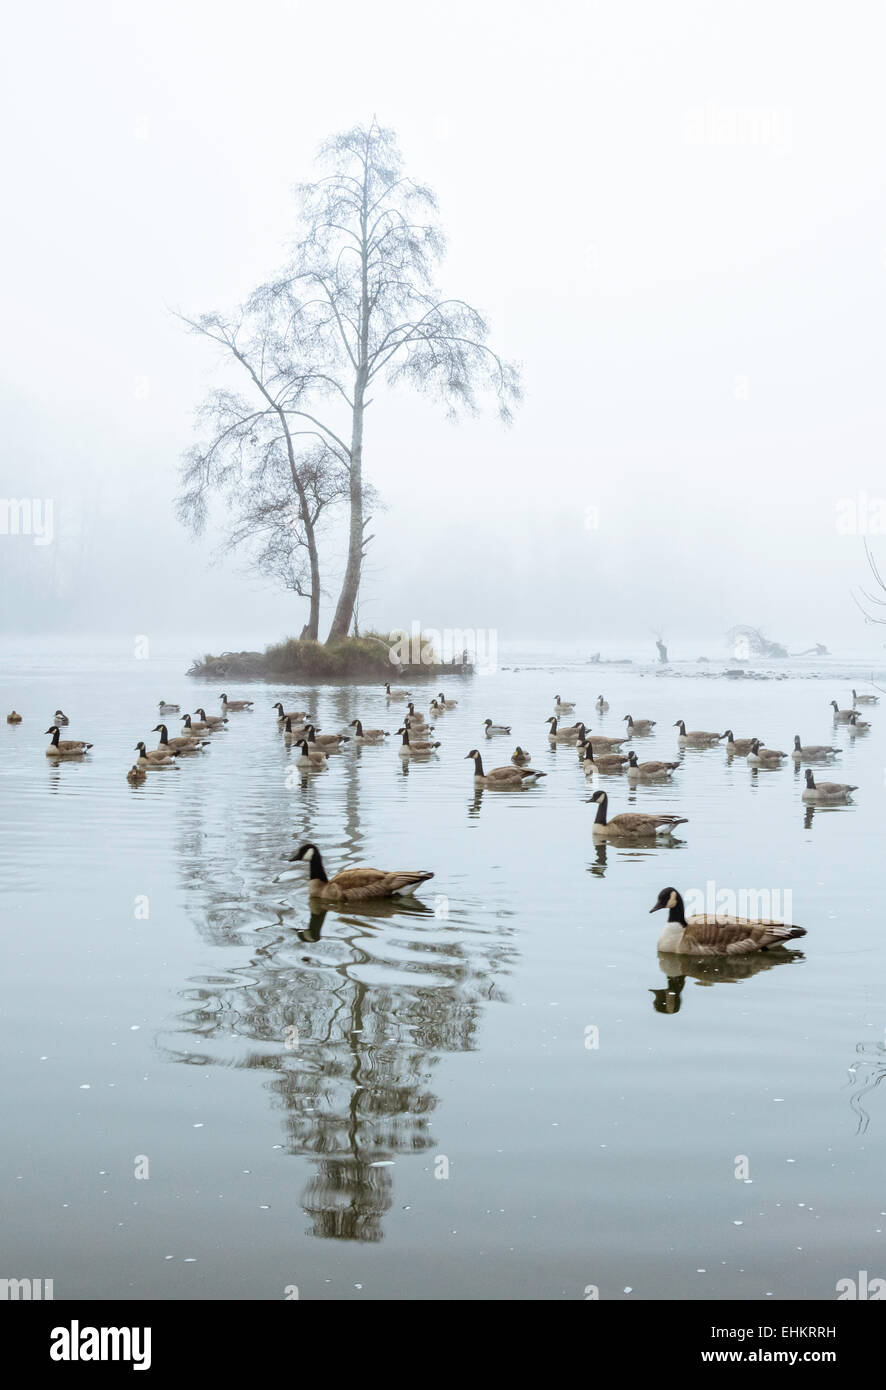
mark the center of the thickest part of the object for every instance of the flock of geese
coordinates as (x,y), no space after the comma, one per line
(600,755)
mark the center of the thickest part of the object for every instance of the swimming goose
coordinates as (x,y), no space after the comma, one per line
(563,706)
(632,825)
(841,716)
(367,735)
(358,885)
(857,725)
(165,708)
(66,747)
(395,694)
(825,791)
(567,735)
(602,742)
(650,770)
(310,758)
(865,699)
(601,705)
(495,728)
(436,708)
(812,750)
(290,732)
(13,718)
(136,774)
(414,714)
(149,759)
(182,742)
(191,728)
(414,748)
(639,726)
(325,741)
(521,756)
(447,704)
(60,718)
(215,721)
(296,715)
(719,935)
(761,756)
(235,704)
(601,761)
(737,746)
(694,735)
(505,777)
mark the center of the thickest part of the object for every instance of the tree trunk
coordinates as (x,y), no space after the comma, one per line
(344,612)
(311,630)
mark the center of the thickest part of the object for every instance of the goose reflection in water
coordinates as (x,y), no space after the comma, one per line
(865,1076)
(712,970)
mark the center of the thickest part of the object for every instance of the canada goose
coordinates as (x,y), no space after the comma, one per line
(602,742)
(66,747)
(309,758)
(694,735)
(447,704)
(504,777)
(718,935)
(414,714)
(154,758)
(639,726)
(235,704)
(602,762)
(495,728)
(418,727)
(563,706)
(395,694)
(296,715)
(367,735)
(650,770)
(436,708)
(414,748)
(290,733)
(841,716)
(136,774)
(825,791)
(865,699)
(521,756)
(812,750)
(181,743)
(738,746)
(632,825)
(60,718)
(358,885)
(558,735)
(325,741)
(165,708)
(215,721)
(761,756)
(857,725)
(601,705)
(13,718)
(191,728)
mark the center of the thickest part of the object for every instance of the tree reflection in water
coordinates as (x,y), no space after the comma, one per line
(347,1014)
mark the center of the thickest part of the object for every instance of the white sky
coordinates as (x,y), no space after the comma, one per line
(635,253)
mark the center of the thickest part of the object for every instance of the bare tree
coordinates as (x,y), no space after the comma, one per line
(872,598)
(275,473)
(358,308)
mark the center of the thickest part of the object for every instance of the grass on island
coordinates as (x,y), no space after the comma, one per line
(363,658)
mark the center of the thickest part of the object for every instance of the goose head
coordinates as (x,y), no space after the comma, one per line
(53,729)
(681,725)
(668,899)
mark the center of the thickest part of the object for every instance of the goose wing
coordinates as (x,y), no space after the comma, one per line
(365,883)
(736,936)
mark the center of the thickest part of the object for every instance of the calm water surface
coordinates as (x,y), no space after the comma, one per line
(401,1102)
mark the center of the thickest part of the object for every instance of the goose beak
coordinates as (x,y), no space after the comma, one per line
(658,907)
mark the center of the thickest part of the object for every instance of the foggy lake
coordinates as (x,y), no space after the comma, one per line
(493,1090)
